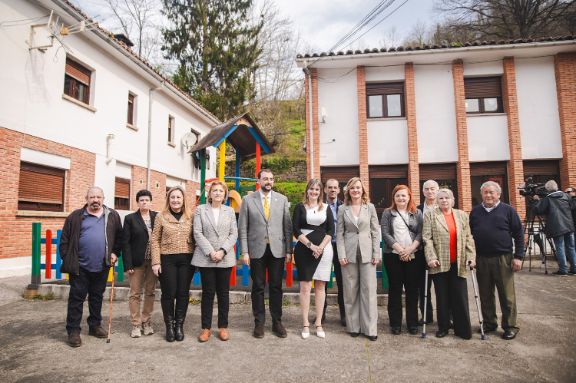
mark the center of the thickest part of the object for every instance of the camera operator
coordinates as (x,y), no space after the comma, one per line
(557,207)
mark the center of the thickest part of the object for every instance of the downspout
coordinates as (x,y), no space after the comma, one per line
(149,143)
(311,114)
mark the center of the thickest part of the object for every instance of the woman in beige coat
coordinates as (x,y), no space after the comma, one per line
(358,243)
(449,249)
(172,247)
(215,232)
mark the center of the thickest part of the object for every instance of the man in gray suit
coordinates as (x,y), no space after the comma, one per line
(265,231)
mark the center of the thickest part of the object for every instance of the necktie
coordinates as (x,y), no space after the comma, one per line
(266,208)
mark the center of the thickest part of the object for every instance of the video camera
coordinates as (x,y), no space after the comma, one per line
(531,189)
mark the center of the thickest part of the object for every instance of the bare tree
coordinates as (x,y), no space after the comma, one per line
(419,35)
(390,39)
(509,19)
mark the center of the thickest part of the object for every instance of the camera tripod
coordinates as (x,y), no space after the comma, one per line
(533,234)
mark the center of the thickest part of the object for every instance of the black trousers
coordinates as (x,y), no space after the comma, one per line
(338,275)
(452,298)
(93,285)
(215,280)
(402,276)
(275,267)
(175,281)
(422,266)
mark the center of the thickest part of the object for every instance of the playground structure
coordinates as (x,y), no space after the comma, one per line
(248,142)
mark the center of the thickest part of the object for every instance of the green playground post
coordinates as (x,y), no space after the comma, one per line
(36,253)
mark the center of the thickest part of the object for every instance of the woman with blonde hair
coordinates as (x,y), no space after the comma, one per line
(358,243)
(450,251)
(215,232)
(172,246)
(313,225)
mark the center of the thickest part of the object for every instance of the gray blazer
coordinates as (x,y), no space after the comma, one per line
(256,232)
(211,237)
(415,222)
(365,234)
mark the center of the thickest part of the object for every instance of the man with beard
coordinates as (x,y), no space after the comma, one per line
(90,240)
(265,232)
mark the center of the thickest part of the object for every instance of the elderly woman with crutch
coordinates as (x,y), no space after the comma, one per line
(402,234)
(172,246)
(449,249)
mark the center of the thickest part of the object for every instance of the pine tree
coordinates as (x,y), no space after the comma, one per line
(215,43)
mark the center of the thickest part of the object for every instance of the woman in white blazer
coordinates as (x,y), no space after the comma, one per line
(215,232)
(358,242)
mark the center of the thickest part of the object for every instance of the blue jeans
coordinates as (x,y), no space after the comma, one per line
(570,253)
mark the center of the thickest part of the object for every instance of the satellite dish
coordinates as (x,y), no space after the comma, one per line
(188,140)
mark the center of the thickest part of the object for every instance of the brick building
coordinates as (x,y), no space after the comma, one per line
(498,111)
(81,109)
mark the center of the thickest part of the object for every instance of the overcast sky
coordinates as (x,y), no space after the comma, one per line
(321,23)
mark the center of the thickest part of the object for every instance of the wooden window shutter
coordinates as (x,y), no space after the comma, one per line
(488,168)
(483,87)
(41,185)
(438,172)
(388,171)
(384,88)
(541,167)
(79,72)
(341,173)
(122,188)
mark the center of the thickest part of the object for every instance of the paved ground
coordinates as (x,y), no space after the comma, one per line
(33,349)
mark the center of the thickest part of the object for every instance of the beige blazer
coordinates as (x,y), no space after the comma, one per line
(211,237)
(171,236)
(365,234)
(437,241)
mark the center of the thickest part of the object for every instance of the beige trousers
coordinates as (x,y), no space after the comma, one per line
(360,298)
(143,277)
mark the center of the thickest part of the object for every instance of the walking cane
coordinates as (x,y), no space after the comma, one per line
(425,302)
(111,298)
(475,285)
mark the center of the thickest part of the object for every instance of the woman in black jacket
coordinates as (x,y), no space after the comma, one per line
(137,261)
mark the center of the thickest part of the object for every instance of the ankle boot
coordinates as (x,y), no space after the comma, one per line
(170,336)
(178,329)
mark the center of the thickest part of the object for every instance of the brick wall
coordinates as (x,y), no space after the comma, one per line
(515,165)
(15,230)
(410,102)
(565,69)
(362,127)
(463,165)
(312,151)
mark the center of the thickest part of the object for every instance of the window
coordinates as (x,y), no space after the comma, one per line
(383,179)
(40,188)
(122,194)
(131,109)
(340,173)
(481,172)
(444,174)
(385,99)
(483,95)
(77,81)
(171,130)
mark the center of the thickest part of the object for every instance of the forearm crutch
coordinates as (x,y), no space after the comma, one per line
(480,319)
(425,302)
(110,305)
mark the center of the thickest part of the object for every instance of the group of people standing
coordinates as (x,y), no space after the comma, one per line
(172,244)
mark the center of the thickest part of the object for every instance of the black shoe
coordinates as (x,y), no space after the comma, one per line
(372,337)
(395,330)
(413,330)
(74,339)
(441,333)
(572,272)
(510,333)
(178,330)
(170,336)
(354,334)
(560,273)
(98,332)
(258,331)
(279,330)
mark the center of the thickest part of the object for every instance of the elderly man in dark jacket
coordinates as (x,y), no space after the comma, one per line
(90,240)
(557,207)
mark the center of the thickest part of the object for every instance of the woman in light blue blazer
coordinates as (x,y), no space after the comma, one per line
(358,243)
(215,232)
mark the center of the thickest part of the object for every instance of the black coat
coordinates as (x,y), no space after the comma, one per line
(135,239)
(70,238)
(557,207)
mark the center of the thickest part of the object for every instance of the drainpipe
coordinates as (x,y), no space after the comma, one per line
(149,143)
(310,105)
